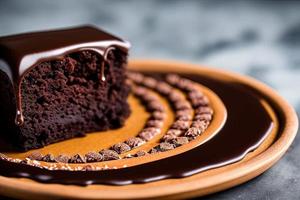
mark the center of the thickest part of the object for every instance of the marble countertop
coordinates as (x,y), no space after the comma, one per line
(257,38)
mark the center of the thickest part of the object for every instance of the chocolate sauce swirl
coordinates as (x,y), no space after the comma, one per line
(247,125)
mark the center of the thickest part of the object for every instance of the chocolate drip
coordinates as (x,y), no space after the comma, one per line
(247,125)
(20,53)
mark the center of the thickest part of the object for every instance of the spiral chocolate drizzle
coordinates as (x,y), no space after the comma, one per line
(238,136)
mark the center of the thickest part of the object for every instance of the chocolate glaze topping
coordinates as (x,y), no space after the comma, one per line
(19,53)
(247,125)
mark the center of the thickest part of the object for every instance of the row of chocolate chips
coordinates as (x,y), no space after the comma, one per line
(153,105)
(202,111)
(183,113)
(103,155)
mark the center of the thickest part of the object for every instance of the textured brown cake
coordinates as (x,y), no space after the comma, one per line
(75,86)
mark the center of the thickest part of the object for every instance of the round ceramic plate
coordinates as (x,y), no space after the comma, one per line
(210,181)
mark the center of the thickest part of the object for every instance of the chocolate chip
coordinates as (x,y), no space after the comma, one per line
(77,158)
(149,97)
(200,101)
(48,158)
(168,137)
(36,156)
(62,158)
(154,123)
(149,82)
(109,155)
(141,153)
(175,96)
(147,134)
(93,157)
(153,151)
(165,146)
(157,115)
(121,147)
(173,79)
(185,84)
(193,132)
(183,113)
(155,106)
(163,88)
(204,117)
(195,95)
(175,132)
(179,141)
(184,117)
(203,110)
(134,142)
(139,91)
(202,125)
(136,77)
(182,105)
(181,125)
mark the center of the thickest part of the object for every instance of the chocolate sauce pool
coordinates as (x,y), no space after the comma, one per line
(247,125)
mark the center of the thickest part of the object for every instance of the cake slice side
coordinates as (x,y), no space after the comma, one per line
(66,98)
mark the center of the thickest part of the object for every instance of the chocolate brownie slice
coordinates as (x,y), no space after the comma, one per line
(61,84)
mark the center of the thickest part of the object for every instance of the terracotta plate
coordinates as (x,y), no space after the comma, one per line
(200,184)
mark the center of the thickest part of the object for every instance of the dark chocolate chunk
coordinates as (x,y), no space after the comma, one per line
(179,141)
(149,82)
(168,137)
(136,77)
(175,96)
(195,95)
(77,158)
(134,142)
(173,79)
(193,132)
(200,101)
(165,146)
(141,153)
(121,147)
(147,134)
(163,88)
(93,157)
(176,132)
(155,106)
(181,125)
(203,110)
(157,115)
(154,123)
(139,91)
(36,156)
(62,158)
(153,151)
(182,105)
(202,125)
(204,117)
(149,97)
(109,155)
(48,158)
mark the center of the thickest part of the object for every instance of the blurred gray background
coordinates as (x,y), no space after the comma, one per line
(257,38)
